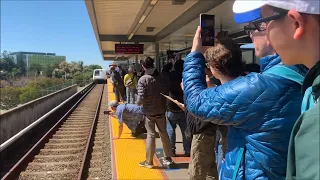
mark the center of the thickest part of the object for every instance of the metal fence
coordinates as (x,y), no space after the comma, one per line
(59,87)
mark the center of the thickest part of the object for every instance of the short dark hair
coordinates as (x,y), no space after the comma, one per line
(148,62)
(225,57)
(167,67)
(178,65)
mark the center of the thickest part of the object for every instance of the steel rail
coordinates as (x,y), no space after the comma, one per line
(10,141)
(16,169)
(85,160)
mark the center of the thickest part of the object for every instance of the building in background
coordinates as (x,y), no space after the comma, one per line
(44,59)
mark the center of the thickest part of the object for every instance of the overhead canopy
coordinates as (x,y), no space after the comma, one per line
(171,23)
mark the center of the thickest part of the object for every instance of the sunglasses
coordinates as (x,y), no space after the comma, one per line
(261,24)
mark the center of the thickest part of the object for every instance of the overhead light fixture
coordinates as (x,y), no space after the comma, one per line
(142,19)
(131,35)
(150,29)
(153,2)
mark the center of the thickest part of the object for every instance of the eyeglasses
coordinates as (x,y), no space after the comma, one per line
(261,24)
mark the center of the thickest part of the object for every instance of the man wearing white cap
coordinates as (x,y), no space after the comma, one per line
(130,115)
(293,30)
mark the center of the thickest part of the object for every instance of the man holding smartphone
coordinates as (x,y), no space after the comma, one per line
(258,108)
(129,114)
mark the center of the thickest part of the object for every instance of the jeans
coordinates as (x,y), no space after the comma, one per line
(131,95)
(219,157)
(174,118)
(150,125)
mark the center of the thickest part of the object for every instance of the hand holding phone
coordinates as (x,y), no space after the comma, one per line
(107,112)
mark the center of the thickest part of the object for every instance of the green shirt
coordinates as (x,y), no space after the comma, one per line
(304,146)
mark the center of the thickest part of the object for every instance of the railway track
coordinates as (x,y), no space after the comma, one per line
(73,148)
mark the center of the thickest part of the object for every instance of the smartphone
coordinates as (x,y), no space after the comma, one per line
(207,23)
(106,112)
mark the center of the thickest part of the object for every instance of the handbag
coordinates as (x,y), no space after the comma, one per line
(129,82)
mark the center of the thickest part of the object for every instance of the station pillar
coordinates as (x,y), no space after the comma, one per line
(157,56)
(137,61)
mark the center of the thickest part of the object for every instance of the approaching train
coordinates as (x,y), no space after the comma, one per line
(100,76)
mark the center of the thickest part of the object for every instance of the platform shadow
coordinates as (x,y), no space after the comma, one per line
(181,166)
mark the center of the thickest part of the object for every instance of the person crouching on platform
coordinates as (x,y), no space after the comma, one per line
(130,115)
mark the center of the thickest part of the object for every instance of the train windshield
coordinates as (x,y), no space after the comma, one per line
(96,73)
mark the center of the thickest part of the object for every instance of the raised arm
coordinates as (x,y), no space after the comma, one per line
(232,103)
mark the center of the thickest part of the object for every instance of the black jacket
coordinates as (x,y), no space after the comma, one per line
(175,91)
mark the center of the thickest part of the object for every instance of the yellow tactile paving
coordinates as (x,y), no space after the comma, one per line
(128,152)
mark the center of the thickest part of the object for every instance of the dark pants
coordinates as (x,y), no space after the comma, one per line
(141,129)
(119,93)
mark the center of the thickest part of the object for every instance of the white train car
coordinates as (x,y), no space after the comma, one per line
(100,76)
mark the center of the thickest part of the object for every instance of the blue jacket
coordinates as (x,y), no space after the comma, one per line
(260,110)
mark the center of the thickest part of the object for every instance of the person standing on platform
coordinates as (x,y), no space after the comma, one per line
(117,82)
(260,110)
(130,82)
(175,115)
(292,28)
(150,86)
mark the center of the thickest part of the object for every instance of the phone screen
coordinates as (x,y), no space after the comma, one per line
(207,23)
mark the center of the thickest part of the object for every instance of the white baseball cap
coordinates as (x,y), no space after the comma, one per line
(246,10)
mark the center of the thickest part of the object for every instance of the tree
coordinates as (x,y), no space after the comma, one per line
(22,66)
(15,72)
(48,70)
(65,67)
(57,73)
(7,63)
(36,68)
(94,66)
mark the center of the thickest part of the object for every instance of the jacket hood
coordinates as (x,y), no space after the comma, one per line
(269,61)
(152,72)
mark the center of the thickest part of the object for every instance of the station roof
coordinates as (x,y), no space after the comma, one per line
(171,23)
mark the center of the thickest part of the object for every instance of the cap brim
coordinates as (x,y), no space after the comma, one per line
(247,16)
(242,6)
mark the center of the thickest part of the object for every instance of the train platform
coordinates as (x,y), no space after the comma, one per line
(128,151)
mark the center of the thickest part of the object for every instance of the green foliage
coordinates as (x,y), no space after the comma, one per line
(82,78)
(9,97)
(6,62)
(22,66)
(36,68)
(94,66)
(29,93)
(12,96)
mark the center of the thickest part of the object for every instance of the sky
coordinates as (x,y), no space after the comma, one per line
(53,26)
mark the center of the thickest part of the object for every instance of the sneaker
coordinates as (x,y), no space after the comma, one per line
(167,161)
(145,164)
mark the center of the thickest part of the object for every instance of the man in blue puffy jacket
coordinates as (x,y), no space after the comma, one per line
(260,110)
(293,29)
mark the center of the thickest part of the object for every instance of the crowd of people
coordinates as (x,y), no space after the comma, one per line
(237,120)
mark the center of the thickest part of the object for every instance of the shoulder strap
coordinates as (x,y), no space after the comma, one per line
(308,100)
(286,73)
(237,166)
